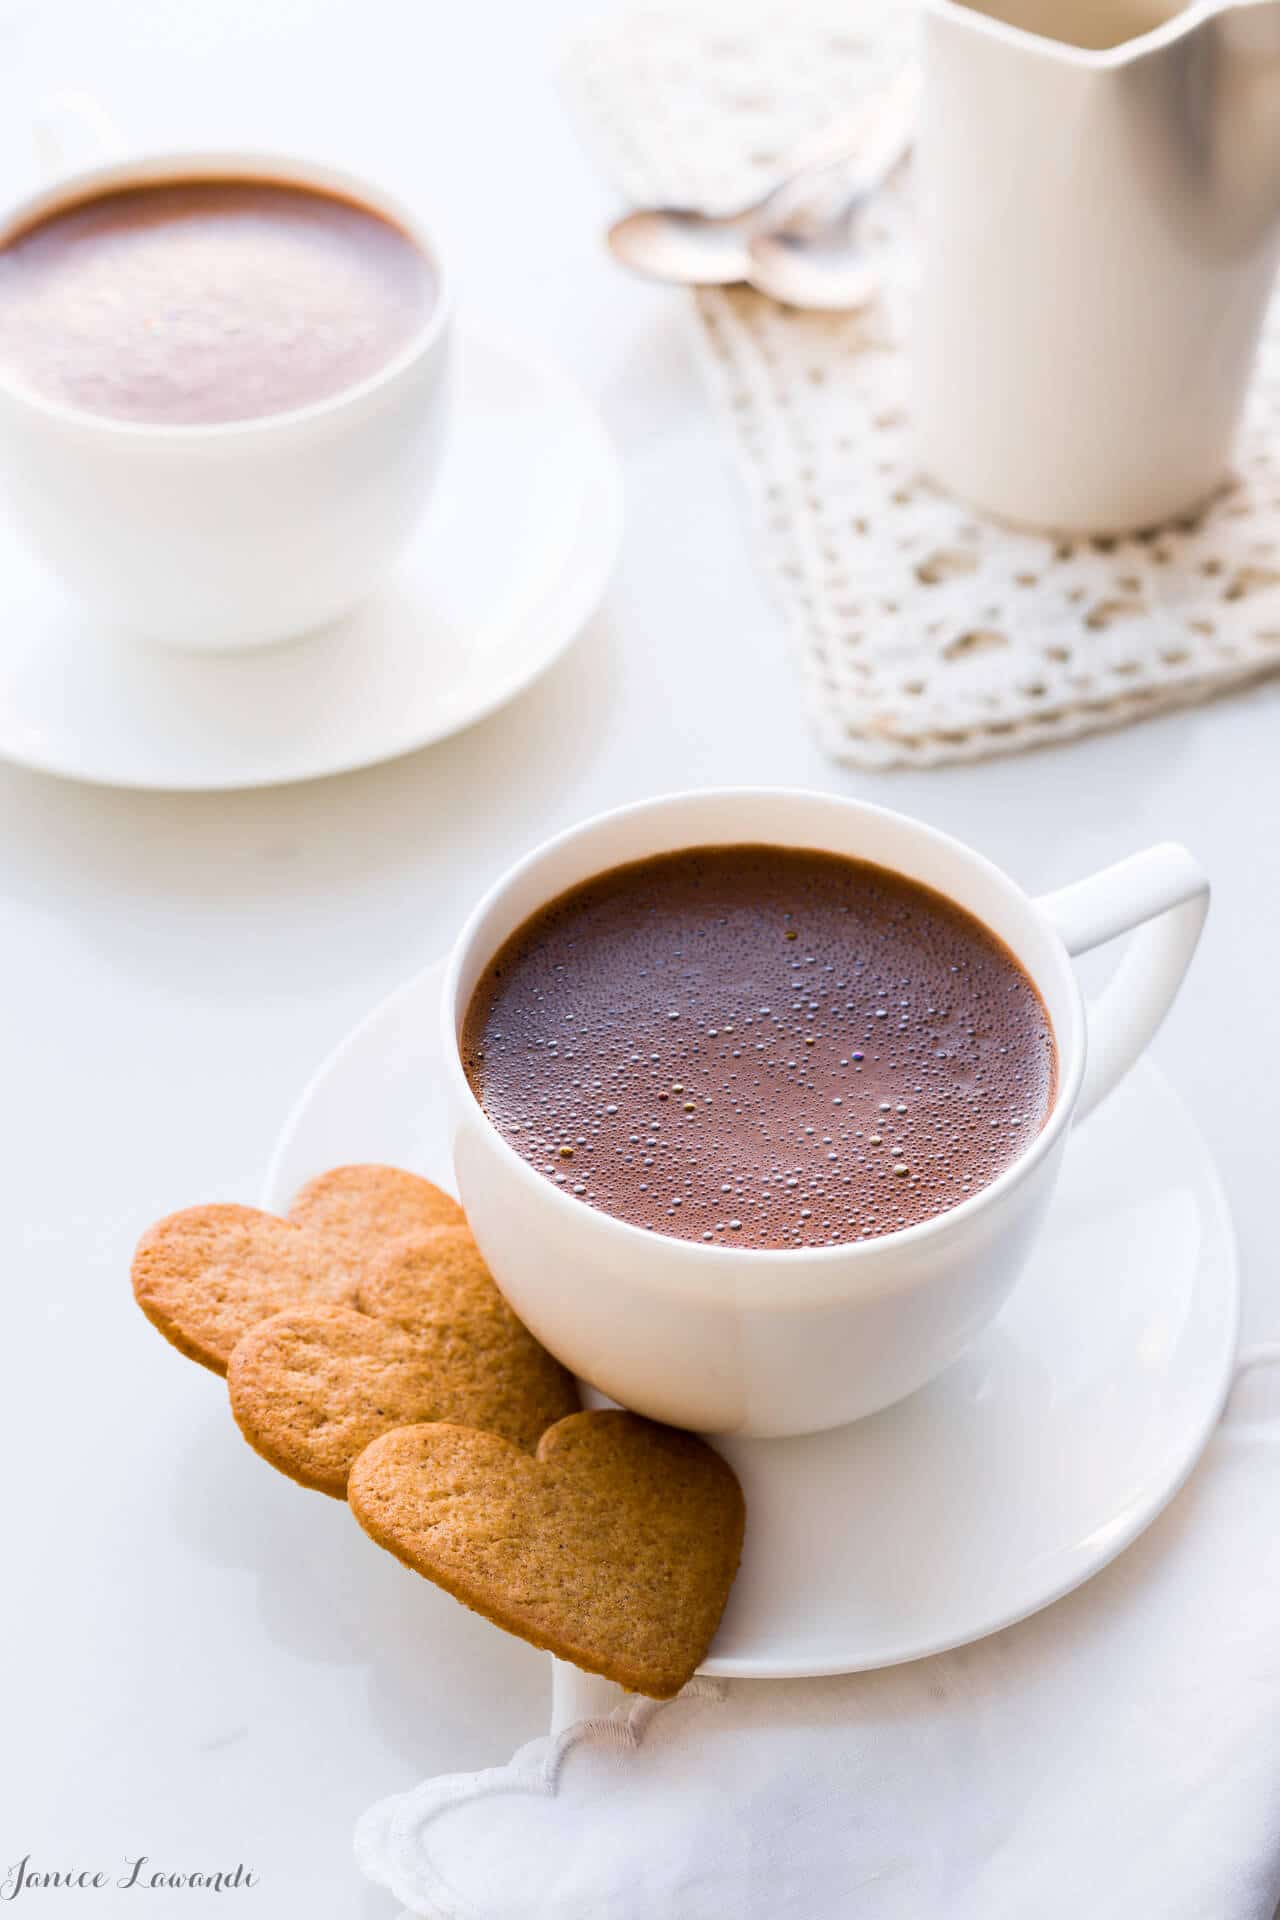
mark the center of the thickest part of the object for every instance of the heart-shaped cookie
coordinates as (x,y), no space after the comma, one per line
(435,1341)
(206,1275)
(615,1547)
(364,1206)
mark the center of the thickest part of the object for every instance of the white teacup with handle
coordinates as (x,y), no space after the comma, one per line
(768,1342)
(241,533)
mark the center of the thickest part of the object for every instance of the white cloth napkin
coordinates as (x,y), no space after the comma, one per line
(1117,1757)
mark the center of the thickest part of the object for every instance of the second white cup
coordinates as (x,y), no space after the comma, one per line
(237,534)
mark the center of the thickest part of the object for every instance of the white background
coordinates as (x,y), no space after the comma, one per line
(200,1661)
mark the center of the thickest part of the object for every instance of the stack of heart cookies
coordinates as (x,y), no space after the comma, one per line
(369,1354)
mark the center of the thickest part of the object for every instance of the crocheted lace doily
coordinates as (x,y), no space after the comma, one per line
(924,634)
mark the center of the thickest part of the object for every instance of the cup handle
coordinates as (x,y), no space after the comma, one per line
(1164,895)
(71,130)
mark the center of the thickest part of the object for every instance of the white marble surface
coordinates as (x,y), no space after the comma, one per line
(199,1661)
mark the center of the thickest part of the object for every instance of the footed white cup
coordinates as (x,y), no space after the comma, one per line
(237,534)
(758,1341)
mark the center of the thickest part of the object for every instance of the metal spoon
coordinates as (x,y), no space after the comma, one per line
(693,248)
(701,249)
(811,256)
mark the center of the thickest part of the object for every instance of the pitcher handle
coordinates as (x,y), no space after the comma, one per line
(1163,894)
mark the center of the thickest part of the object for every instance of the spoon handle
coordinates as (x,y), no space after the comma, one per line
(834,143)
(885,129)
(892,128)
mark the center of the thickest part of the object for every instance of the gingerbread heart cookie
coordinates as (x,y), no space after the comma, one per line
(206,1275)
(435,1340)
(614,1548)
(362,1206)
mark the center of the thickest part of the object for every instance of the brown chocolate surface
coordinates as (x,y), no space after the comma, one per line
(200,302)
(760,1046)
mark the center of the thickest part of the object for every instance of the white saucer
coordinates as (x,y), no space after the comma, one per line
(514,554)
(1024,1469)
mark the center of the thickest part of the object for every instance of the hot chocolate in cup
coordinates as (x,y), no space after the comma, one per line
(782,1337)
(223,390)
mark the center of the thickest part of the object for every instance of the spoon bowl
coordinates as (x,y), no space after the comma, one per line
(682,244)
(825,272)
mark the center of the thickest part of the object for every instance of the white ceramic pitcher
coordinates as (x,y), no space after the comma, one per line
(1100,196)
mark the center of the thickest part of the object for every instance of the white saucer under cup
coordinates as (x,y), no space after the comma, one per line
(528,475)
(1027,1466)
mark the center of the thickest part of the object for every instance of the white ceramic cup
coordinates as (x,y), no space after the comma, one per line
(237,534)
(756,1341)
